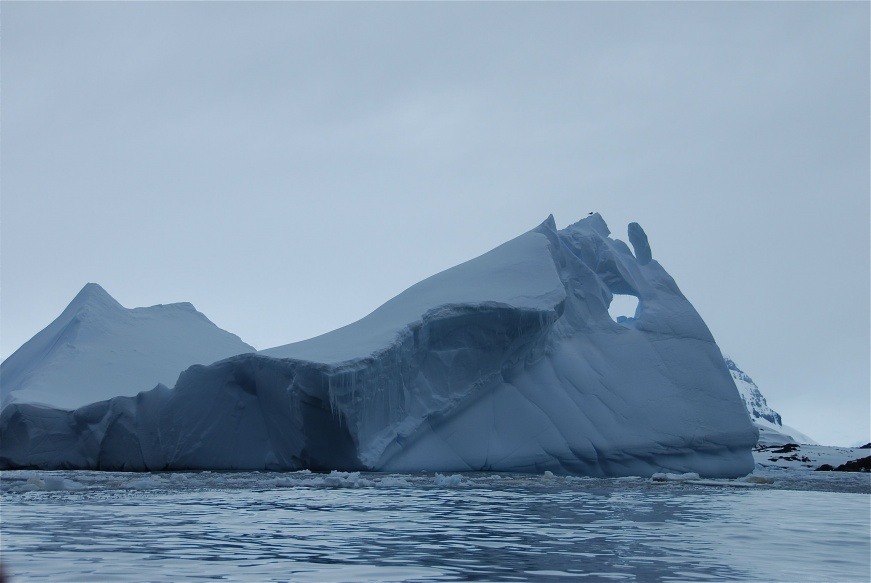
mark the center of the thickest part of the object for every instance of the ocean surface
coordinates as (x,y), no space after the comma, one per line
(261,526)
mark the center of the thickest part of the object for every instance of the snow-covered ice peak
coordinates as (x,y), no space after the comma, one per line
(507,362)
(767,420)
(755,403)
(98,349)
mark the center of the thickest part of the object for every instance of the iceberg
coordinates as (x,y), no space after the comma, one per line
(508,362)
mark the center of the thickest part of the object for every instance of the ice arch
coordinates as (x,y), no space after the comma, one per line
(622,306)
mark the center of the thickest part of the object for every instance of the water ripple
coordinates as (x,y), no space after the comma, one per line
(85,526)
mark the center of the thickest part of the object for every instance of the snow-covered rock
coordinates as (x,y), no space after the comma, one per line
(805,457)
(507,362)
(772,431)
(98,349)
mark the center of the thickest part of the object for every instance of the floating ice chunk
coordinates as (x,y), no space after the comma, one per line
(279,483)
(452,481)
(752,479)
(51,484)
(337,479)
(57,483)
(34,483)
(668,477)
(145,483)
(394,482)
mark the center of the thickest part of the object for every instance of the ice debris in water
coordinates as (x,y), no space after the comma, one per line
(145,483)
(337,479)
(751,479)
(51,484)
(452,481)
(668,477)
(394,482)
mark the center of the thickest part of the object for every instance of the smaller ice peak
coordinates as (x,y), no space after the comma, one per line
(98,349)
(638,239)
(93,294)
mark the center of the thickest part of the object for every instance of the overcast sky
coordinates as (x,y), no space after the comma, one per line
(289,167)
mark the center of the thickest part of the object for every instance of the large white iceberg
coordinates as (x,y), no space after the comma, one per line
(508,362)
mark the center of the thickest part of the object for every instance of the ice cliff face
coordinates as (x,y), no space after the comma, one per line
(97,349)
(508,362)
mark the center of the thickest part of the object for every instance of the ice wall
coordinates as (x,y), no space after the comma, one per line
(508,362)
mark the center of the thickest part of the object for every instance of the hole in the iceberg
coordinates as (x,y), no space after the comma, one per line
(623,307)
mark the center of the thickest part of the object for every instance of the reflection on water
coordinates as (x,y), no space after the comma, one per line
(86,526)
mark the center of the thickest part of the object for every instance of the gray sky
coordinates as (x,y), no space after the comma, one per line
(288,167)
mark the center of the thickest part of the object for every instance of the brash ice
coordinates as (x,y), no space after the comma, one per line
(508,362)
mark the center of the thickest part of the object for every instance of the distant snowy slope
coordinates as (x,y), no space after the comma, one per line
(767,420)
(756,404)
(98,349)
(770,434)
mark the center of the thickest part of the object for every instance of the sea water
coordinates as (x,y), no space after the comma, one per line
(261,526)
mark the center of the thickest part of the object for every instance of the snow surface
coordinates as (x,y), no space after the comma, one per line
(804,457)
(771,434)
(98,349)
(508,362)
